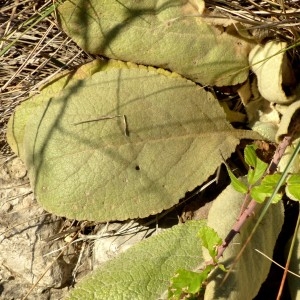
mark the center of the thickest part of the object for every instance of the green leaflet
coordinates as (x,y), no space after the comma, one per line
(258,167)
(237,184)
(167,34)
(188,283)
(210,240)
(293,187)
(265,189)
(96,170)
(144,271)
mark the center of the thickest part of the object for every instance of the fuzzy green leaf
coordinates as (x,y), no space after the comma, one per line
(144,271)
(293,187)
(168,34)
(258,166)
(293,280)
(271,66)
(210,240)
(112,145)
(17,123)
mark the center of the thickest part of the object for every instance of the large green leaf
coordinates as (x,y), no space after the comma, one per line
(99,171)
(252,268)
(168,34)
(273,70)
(17,123)
(144,271)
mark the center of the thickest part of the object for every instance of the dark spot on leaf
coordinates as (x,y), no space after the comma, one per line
(137,167)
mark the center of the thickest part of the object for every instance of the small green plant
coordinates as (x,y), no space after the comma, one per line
(191,283)
(260,186)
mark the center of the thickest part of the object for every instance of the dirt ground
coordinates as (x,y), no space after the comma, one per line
(25,254)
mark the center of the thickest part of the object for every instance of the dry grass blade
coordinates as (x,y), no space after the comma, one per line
(264,19)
